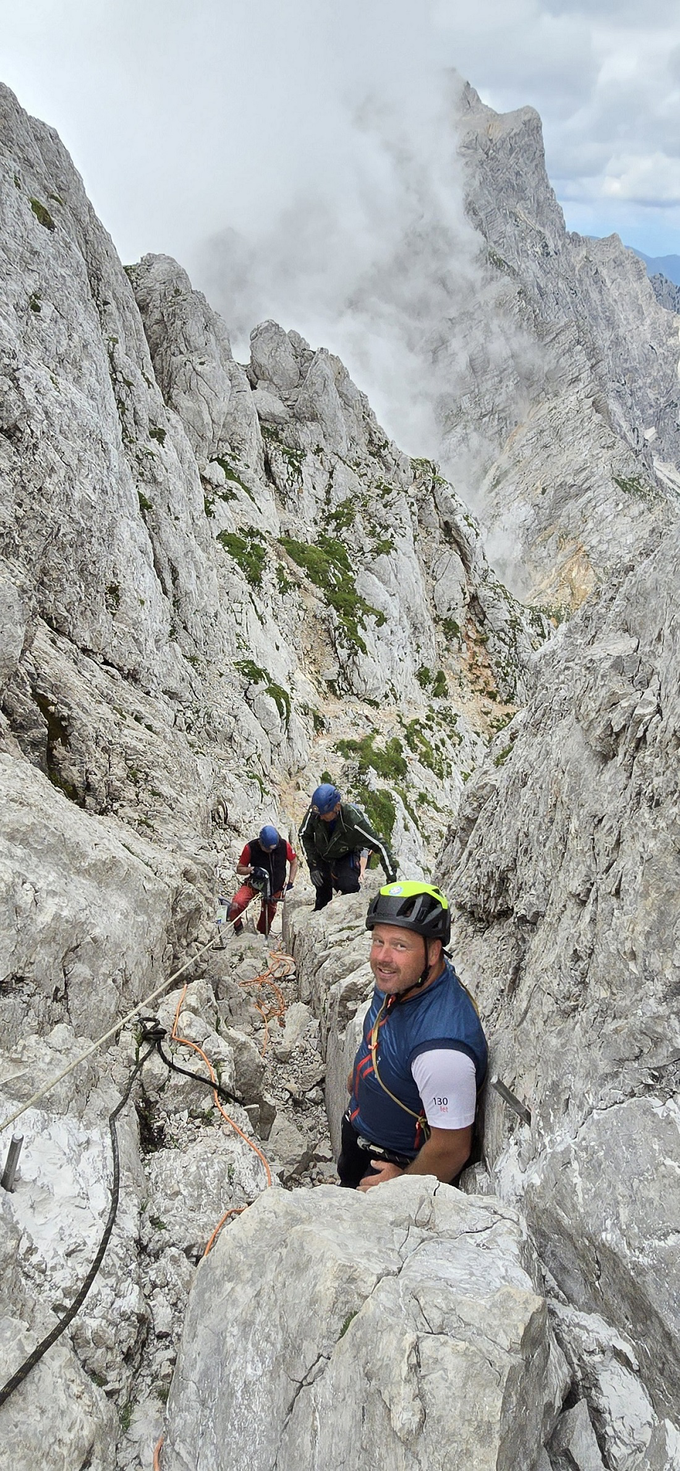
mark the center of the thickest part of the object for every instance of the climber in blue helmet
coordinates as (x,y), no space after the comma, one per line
(263,866)
(334,835)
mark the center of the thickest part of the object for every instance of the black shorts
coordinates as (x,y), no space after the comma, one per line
(355,1163)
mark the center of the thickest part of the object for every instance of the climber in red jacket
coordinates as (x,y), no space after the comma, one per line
(263,864)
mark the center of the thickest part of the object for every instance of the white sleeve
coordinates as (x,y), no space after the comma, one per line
(447,1084)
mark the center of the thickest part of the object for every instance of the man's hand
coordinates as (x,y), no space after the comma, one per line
(444,1154)
(384,1171)
(316,877)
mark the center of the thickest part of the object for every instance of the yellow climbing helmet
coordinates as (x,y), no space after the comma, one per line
(412,905)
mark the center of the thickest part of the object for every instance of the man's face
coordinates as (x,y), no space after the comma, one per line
(399,957)
(330,816)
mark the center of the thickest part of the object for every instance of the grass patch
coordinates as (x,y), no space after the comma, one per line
(424,799)
(382,546)
(344,515)
(285,584)
(379,808)
(389,763)
(42,215)
(157,434)
(144,504)
(633,485)
(276,692)
(326,563)
(248,551)
(440,688)
(428,468)
(294,458)
(418,741)
(407,803)
(349,1319)
(230,474)
(451,629)
(255,776)
(503,756)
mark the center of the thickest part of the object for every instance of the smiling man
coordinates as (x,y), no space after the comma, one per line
(423,1055)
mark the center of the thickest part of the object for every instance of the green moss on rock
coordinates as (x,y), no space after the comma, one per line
(380,809)
(389,763)
(248,551)
(42,215)
(326,563)
(276,692)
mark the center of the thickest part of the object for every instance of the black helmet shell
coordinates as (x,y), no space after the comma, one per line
(412,905)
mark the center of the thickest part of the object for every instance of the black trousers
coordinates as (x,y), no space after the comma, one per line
(354,1162)
(342,874)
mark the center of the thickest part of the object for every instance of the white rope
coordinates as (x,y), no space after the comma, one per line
(47,1087)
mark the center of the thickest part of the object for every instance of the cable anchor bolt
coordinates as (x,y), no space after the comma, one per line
(12,1162)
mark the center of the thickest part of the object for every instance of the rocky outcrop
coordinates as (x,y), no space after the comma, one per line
(331,953)
(575,415)
(564,870)
(419,1341)
(666,293)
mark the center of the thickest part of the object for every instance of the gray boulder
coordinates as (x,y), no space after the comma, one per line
(395,1330)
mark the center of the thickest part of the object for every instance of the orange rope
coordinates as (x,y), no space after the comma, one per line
(157,1455)
(184,1041)
(235,1211)
(280,968)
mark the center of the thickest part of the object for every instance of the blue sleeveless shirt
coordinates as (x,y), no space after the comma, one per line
(443,1015)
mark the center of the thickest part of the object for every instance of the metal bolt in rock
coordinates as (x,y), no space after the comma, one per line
(514,1103)
(11,1163)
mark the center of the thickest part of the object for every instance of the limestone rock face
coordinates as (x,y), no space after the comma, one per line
(396,1314)
(60,1418)
(555,377)
(565,872)
(331,950)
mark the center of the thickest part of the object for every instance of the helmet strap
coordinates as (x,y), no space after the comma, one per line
(426,972)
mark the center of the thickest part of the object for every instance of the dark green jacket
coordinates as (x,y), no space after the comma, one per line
(351,832)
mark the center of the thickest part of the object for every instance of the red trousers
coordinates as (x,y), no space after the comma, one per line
(242,899)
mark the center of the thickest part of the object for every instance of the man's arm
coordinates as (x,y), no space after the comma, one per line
(244,866)
(293,868)
(444,1155)
(445,1078)
(367,837)
(307,838)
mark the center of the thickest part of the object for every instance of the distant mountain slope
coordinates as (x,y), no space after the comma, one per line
(660,265)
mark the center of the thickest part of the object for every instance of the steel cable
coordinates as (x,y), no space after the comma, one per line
(46,1343)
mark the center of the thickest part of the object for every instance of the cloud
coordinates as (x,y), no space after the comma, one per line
(654,180)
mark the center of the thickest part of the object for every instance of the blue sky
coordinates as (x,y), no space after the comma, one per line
(187,116)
